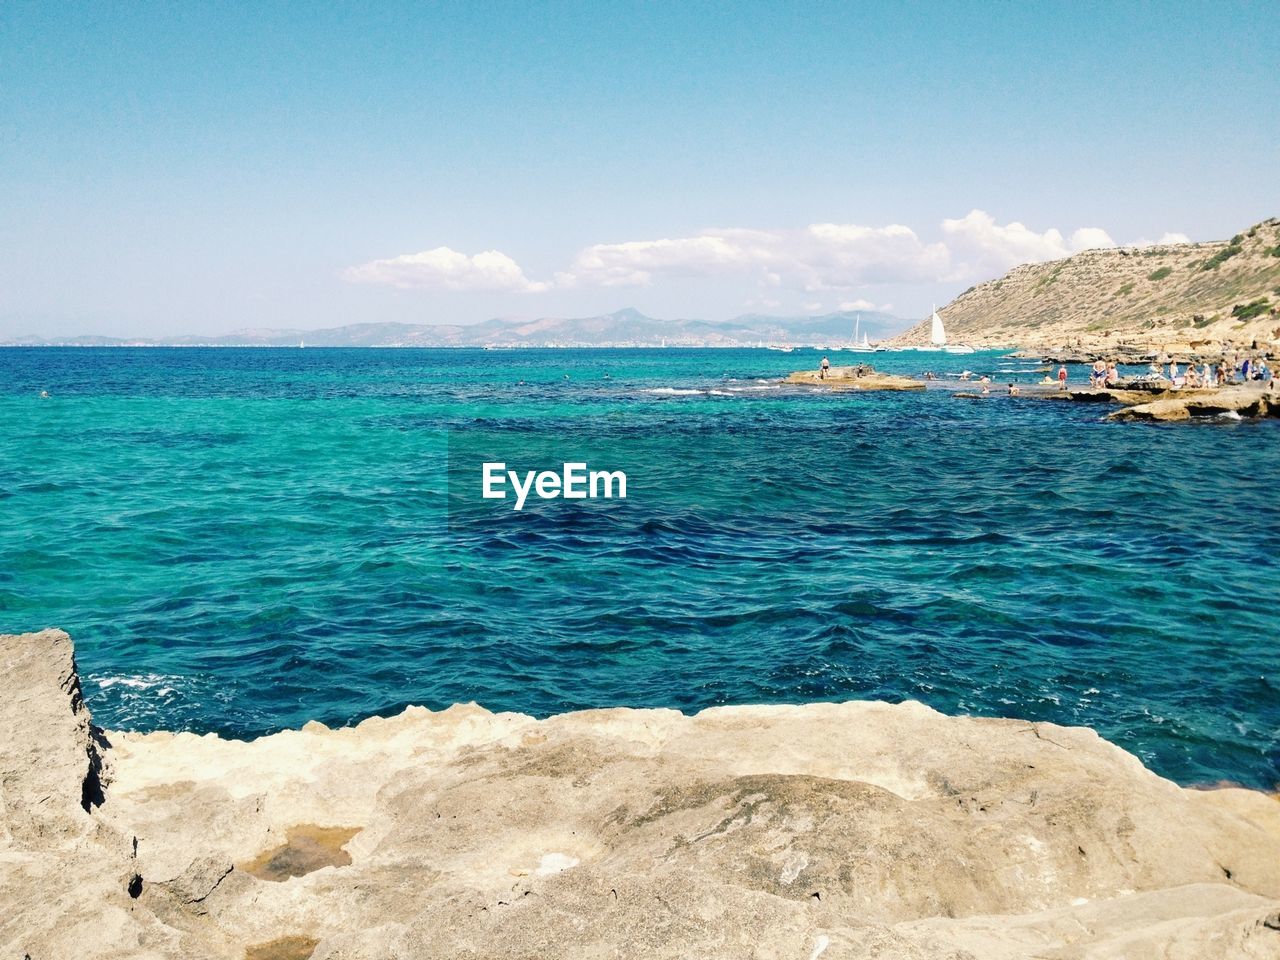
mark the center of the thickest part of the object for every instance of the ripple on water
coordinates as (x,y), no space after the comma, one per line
(244,540)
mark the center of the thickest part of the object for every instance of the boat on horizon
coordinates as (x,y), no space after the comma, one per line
(939,336)
(863,346)
(938,339)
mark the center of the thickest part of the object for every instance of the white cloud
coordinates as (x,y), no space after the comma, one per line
(822,256)
(635,262)
(445,269)
(977,243)
(813,260)
(1166,240)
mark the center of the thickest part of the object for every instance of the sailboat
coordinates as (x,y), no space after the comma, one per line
(939,337)
(863,346)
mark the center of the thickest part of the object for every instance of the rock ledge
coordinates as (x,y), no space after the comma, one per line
(826,830)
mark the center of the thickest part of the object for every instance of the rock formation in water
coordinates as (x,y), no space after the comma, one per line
(1181,298)
(822,831)
(859,377)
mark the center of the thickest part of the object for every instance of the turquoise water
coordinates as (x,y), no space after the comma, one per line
(243,540)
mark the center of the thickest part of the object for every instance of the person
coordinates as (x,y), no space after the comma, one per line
(1156,368)
(1013,389)
(1244,369)
(1113,375)
(822,371)
(1192,379)
(1263,372)
(1173,370)
(1208,375)
(966,374)
(44,394)
(1099,374)
(1062,377)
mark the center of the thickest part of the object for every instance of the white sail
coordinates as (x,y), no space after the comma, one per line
(863,345)
(938,336)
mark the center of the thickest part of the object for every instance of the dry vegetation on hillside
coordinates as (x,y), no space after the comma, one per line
(1157,296)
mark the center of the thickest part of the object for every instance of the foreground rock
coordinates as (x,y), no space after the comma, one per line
(828,830)
(859,377)
(1244,401)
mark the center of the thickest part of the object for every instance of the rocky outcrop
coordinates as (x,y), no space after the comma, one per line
(828,830)
(860,377)
(1186,299)
(1243,401)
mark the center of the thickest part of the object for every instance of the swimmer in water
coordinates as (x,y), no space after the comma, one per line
(44,394)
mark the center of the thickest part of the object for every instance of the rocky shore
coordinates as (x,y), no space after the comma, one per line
(846,830)
(1237,401)
(858,377)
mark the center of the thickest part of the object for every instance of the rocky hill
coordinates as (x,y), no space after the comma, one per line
(1158,297)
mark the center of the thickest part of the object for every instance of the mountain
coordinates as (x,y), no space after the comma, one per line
(1157,297)
(627,328)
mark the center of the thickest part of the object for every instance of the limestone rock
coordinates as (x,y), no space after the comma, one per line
(853,378)
(845,830)
(1245,400)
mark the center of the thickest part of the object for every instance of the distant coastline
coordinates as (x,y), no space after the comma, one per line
(621,329)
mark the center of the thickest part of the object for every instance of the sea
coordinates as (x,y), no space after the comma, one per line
(243,540)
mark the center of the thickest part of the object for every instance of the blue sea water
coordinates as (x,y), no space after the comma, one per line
(244,540)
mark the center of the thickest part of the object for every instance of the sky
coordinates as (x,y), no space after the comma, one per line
(202,168)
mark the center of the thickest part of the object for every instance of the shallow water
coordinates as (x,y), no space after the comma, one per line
(243,540)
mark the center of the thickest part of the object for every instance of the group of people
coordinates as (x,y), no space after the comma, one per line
(824,370)
(1213,375)
(1102,374)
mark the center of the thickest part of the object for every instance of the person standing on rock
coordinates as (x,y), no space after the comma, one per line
(1062,377)
(824,368)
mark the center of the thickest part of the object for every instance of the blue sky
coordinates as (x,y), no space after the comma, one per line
(205,167)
